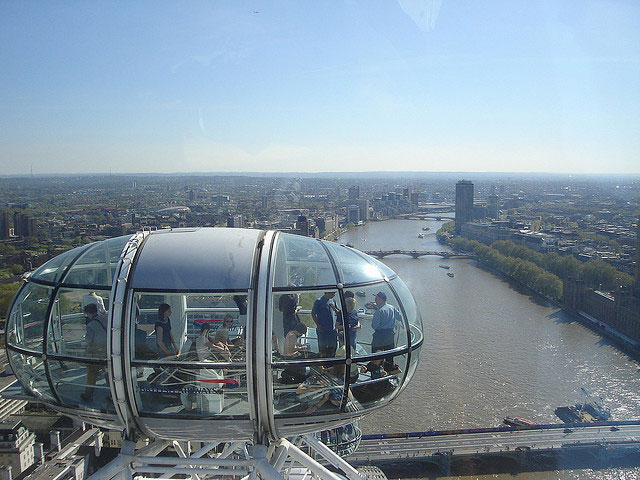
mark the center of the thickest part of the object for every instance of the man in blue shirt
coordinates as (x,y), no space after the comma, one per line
(383,323)
(322,313)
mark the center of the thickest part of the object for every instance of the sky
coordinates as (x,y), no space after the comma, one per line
(317,86)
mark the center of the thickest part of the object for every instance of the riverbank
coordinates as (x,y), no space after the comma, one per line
(618,339)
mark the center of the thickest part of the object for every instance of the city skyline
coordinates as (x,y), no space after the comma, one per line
(405,86)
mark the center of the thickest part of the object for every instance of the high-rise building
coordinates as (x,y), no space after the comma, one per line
(23,225)
(492,206)
(353,214)
(354,192)
(4,224)
(235,222)
(303,225)
(363,205)
(464,203)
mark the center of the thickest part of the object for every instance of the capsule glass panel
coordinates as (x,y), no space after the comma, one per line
(318,312)
(97,264)
(377,382)
(78,326)
(386,271)
(53,270)
(413,365)
(379,324)
(413,314)
(193,327)
(81,384)
(28,315)
(352,267)
(210,391)
(301,261)
(30,371)
(320,391)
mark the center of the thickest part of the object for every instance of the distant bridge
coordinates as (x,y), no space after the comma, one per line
(432,216)
(415,253)
(520,445)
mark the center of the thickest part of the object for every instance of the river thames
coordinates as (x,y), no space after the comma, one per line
(492,349)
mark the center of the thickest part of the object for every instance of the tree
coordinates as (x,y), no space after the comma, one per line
(16,269)
(7,292)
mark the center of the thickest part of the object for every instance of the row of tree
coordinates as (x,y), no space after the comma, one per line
(542,272)
(524,271)
(595,273)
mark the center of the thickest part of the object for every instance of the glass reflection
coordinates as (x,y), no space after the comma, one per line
(81,384)
(413,365)
(97,264)
(310,320)
(375,384)
(31,374)
(78,324)
(352,267)
(320,393)
(379,325)
(189,328)
(202,392)
(408,302)
(301,261)
(27,319)
(54,268)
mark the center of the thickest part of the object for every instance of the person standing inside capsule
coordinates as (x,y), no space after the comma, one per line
(383,324)
(96,338)
(323,312)
(166,345)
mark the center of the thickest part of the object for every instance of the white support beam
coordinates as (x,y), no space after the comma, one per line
(332,457)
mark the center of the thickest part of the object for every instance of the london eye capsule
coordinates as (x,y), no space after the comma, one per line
(214,334)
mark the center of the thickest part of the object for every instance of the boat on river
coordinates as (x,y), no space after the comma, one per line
(425,229)
(587,412)
(450,274)
(421,235)
(446,267)
(518,422)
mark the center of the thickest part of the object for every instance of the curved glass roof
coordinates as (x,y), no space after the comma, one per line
(183,259)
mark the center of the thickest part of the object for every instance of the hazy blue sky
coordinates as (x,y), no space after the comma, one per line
(320,86)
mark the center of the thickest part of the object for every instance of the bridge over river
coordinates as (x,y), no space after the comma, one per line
(520,445)
(415,253)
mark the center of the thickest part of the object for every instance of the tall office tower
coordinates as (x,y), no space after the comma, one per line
(32,227)
(464,203)
(405,193)
(363,205)
(4,225)
(354,192)
(23,225)
(492,206)
(303,225)
(353,214)
(321,224)
(17,224)
(235,221)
